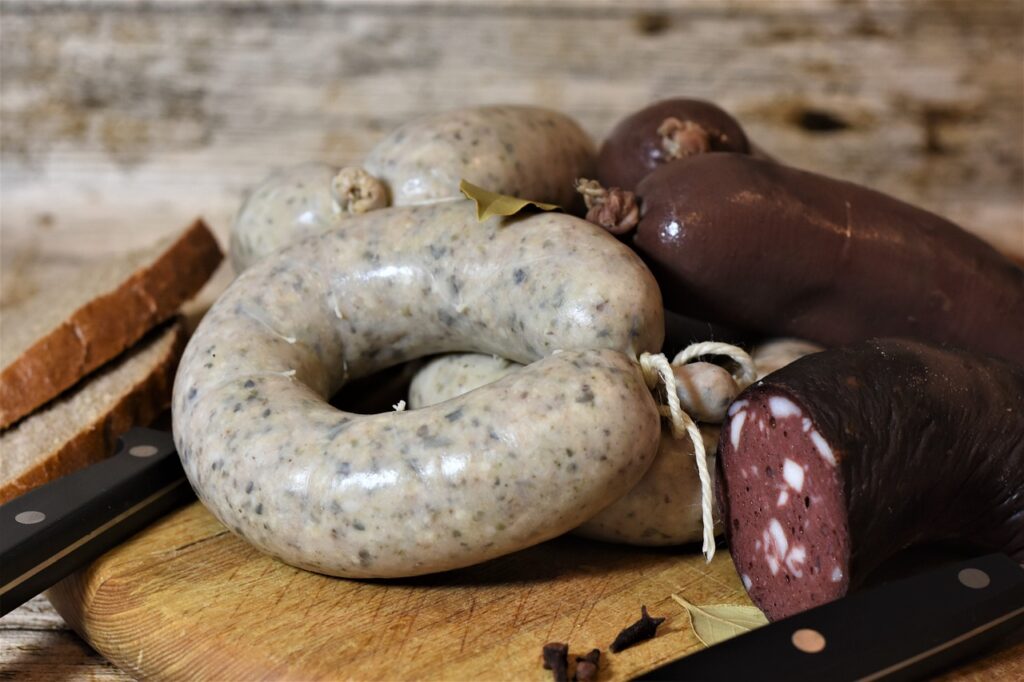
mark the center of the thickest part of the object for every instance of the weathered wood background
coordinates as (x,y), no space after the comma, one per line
(120,120)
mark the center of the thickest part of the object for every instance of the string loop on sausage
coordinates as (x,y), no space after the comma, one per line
(746,373)
(656,369)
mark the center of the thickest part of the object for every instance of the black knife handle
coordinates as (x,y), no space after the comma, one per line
(49,532)
(902,630)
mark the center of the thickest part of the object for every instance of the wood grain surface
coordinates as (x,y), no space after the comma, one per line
(186,599)
(122,120)
(36,644)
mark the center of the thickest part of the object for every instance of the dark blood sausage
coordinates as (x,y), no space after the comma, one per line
(681,331)
(756,245)
(635,146)
(832,464)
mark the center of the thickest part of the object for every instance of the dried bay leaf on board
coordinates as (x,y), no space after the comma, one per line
(489,204)
(718,622)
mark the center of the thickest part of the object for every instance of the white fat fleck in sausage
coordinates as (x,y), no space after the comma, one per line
(777,353)
(529,152)
(783,407)
(736,429)
(824,449)
(662,509)
(424,490)
(793,474)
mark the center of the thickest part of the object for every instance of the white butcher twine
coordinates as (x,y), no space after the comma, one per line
(746,373)
(656,368)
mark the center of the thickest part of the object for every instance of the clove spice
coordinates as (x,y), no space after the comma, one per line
(640,631)
(586,666)
(556,659)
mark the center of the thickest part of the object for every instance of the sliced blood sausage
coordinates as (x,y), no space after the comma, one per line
(780,251)
(834,463)
(650,138)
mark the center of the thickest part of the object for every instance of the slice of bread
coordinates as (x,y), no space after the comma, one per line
(81,426)
(53,338)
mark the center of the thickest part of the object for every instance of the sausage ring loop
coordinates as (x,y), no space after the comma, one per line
(398,494)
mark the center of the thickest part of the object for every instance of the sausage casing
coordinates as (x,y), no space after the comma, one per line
(522,151)
(785,252)
(365,496)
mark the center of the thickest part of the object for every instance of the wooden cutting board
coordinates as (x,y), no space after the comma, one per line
(186,598)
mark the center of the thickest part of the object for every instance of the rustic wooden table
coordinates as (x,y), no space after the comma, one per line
(122,121)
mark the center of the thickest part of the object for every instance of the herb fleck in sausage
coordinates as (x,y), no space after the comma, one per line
(528,152)
(663,508)
(408,493)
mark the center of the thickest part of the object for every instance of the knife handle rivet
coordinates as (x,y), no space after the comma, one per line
(143,450)
(808,641)
(974,578)
(30,517)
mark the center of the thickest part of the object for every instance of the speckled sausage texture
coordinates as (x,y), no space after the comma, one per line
(401,494)
(290,204)
(529,152)
(451,375)
(663,508)
(524,151)
(834,463)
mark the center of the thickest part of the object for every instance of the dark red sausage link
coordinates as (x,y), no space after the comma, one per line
(832,464)
(681,331)
(635,146)
(760,246)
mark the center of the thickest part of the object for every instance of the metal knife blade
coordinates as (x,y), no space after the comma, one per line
(49,532)
(905,629)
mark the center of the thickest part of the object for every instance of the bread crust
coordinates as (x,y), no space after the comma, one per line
(139,405)
(104,327)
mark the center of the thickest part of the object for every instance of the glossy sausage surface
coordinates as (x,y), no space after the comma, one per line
(637,145)
(830,465)
(663,508)
(784,252)
(529,152)
(400,494)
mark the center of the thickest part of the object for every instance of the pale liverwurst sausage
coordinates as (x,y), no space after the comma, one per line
(523,151)
(402,494)
(663,508)
(288,205)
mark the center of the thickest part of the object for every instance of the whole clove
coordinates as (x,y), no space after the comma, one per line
(640,631)
(556,659)
(586,666)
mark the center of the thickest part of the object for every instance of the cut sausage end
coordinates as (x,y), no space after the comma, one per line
(784,505)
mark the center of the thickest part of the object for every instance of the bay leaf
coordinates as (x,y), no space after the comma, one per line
(489,204)
(718,622)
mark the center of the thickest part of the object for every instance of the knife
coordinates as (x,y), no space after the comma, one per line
(900,630)
(905,629)
(50,531)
